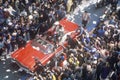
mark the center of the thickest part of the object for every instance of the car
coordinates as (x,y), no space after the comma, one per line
(46,46)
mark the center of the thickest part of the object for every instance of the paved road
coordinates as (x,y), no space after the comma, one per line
(8,70)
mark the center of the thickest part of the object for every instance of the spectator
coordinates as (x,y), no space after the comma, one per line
(69,5)
(85,19)
(101,32)
(105,71)
(114,5)
(71,42)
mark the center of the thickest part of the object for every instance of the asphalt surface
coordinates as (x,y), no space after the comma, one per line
(9,70)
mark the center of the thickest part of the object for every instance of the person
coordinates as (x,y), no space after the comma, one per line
(99,68)
(85,19)
(69,5)
(114,5)
(71,42)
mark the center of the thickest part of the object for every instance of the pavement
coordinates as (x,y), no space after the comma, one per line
(9,70)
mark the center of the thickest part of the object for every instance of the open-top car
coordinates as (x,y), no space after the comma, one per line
(44,47)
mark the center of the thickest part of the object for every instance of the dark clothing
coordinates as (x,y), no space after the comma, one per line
(114,4)
(42,28)
(113,61)
(84,74)
(21,42)
(43,16)
(98,70)
(84,23)
(50,22)
(101,32)
(71,42)
(113,1)
(105,71)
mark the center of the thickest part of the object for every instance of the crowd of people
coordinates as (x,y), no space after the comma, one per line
(101,3)
(20,20)
(93,55)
